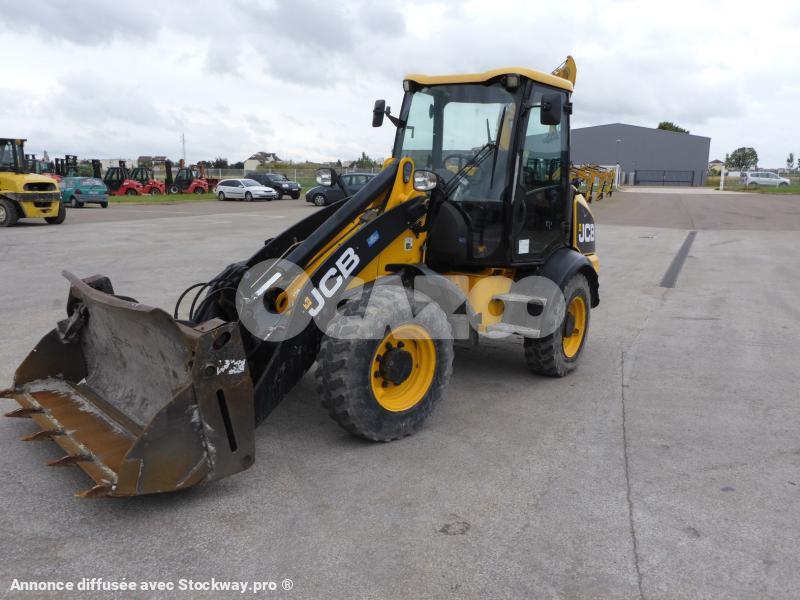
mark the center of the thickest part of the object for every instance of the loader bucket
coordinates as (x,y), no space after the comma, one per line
(141,402)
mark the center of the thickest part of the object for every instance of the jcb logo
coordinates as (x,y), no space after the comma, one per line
(585,233)
(332,281)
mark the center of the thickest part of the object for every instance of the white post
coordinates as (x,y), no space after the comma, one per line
(722,178)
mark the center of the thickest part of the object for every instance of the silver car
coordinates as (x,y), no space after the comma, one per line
(244,189)
(757,178)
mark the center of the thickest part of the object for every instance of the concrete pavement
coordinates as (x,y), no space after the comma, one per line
(667,466)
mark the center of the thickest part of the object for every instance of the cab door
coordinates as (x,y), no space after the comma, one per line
(539,211)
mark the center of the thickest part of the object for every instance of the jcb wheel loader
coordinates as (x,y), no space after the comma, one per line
(471,229)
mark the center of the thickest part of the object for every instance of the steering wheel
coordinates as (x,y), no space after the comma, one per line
(460,160)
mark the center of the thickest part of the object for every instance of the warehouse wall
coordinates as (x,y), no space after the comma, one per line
(642,149)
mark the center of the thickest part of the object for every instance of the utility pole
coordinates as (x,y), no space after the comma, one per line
(183,145)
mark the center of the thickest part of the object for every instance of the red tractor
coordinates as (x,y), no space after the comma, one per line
(119,182)
(150,185)
(187,181)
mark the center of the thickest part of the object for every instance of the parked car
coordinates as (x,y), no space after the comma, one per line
(322,196)
(245,189)
(278,182)
(757,178)
(79,191)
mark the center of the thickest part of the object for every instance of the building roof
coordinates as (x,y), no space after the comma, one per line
(639,127)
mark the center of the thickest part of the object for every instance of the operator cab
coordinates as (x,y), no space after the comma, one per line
(500,148)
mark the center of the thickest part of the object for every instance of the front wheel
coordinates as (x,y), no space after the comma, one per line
(557,354)
(104,205)
(155,192)
(319,200)
(221,197)
(783,184)
(384,363)
(8,213)
(131,192)
(58,219)
(295,196)
(174,189)
(199,190)
(248,196)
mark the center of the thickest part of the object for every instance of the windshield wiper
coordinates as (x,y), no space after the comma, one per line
(477,159)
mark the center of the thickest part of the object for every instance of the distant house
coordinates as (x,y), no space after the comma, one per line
(715,166)
(114,162)
(144,161)
(259,159)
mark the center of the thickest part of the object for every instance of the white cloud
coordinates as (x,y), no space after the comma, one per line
(299,78)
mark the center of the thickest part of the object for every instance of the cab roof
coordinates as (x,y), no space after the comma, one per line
(537,76)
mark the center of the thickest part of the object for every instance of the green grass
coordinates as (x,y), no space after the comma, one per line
(161,199)
(732,185)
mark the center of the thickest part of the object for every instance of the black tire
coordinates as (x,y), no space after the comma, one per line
(131,192)
(155,191)
(295,196)
(783,184)
(104,205)
(345,366)
(199,190)
(248,196)
(59,218)
(221,197)
(74,203)
(319,200)
(545,356)
(174,189)
(8,213)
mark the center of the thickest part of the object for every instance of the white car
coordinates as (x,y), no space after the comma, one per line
(244,189)
(756,178)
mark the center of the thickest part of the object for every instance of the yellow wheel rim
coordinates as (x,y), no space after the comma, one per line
(416,343)
(572,343)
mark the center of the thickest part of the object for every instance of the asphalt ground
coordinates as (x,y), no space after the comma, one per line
(667,466)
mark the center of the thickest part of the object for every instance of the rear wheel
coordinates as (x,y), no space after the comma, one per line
(130,192)
(8,213)
(174,189)
(319,200)
(557,355)
(74,203)
(199,190)
(104,205)
(155,192)
(58,219)
(381,375)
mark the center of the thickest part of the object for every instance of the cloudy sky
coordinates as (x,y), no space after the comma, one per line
(299,77)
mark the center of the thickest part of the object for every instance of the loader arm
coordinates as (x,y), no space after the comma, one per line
(144,403)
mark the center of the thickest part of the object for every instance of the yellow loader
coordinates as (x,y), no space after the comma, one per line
(470,230)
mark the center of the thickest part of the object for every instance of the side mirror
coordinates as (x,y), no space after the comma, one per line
(378,113)
(552,107)
(327,177)
(425,181)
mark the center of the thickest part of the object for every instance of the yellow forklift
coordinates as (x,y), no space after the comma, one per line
(24,195)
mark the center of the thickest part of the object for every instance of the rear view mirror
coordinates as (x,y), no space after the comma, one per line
(552,107)
(327,177)
(378,113)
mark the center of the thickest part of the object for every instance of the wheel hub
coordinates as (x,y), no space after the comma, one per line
(396,365)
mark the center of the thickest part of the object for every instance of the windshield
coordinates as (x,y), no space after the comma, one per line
(90,181)
(447,126)
(8,160)
(250,183)
(278,177)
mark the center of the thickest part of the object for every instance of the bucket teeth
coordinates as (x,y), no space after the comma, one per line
(98,491)
(46,434)
(70,459)
(24,413)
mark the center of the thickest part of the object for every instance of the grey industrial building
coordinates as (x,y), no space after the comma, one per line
(646,156)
